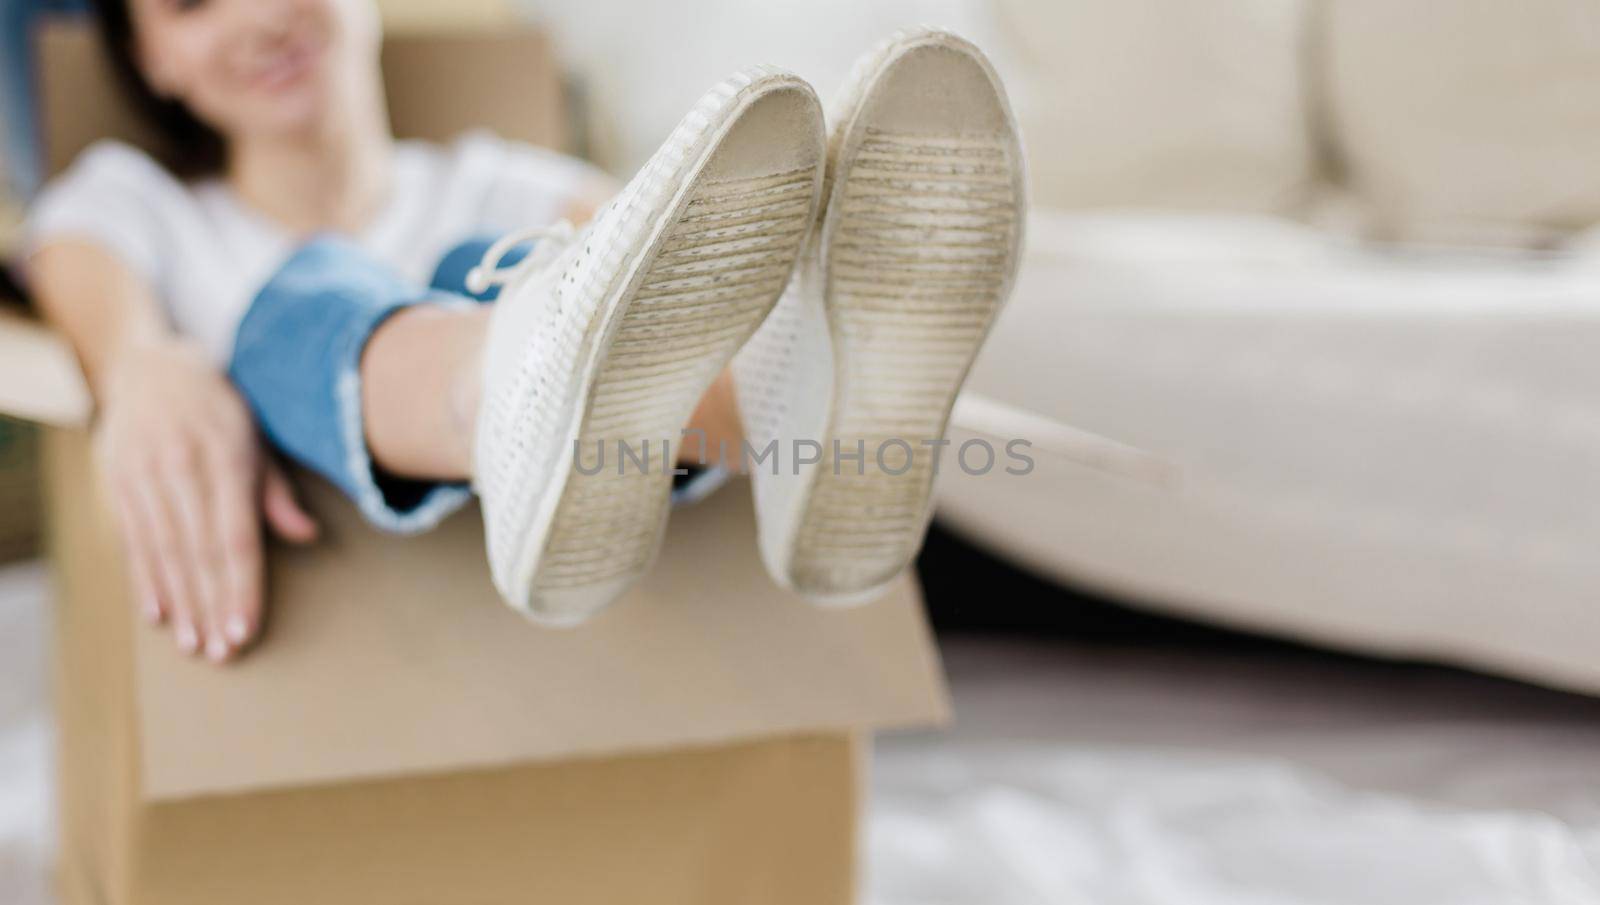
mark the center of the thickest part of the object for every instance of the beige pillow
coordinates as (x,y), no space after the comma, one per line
(1468,120)
(1161,103)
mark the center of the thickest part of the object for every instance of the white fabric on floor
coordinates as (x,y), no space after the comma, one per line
(1125,777)
(27,835)
(1136,777)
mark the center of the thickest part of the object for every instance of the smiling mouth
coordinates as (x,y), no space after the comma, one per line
(287,67)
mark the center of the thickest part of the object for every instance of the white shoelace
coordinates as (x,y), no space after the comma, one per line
(548,241)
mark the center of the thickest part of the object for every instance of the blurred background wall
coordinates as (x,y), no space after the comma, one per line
(425,14)
(640,65)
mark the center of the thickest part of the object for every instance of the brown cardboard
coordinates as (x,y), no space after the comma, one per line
(401,737)
(764,820)
(393,655)
(390,656)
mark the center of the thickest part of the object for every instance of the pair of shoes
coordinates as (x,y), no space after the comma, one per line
(881,252)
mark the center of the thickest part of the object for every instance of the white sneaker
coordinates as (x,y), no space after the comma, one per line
(615,338)
(916,252)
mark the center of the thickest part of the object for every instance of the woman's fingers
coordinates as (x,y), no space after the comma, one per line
(193,533)
(158,525)
(183,457)
(141,574)
(192,523)
(231,475)
(287,518)
(200,556)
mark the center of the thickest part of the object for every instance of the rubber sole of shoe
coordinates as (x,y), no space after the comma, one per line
(919,248)
(718,255)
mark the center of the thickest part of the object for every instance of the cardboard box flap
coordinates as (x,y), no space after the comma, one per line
(39,376)
(388,656)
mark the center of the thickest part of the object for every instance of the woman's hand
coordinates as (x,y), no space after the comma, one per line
(191,481)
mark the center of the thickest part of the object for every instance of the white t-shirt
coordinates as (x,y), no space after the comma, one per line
(205,253)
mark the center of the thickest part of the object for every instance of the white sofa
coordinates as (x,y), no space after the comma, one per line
(1389,454)
(1326,258)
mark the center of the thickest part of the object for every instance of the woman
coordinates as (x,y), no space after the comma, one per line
(296,273)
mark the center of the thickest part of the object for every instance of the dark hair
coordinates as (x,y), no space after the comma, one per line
(188,147)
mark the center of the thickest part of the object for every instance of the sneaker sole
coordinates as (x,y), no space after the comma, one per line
(720,232)
(919,248)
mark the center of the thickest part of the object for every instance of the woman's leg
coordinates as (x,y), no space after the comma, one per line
(374,382)
(419,391)
(299,359)
(420,387)
(421,380)
(717,417)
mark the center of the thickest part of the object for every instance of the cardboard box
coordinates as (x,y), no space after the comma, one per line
(402,737)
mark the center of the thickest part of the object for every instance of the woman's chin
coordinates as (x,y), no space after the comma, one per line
(292,120)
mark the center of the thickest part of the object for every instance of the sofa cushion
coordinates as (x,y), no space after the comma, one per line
(1468,120)
(1161,103)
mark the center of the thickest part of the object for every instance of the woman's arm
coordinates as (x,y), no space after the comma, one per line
(185,468)
(101,305)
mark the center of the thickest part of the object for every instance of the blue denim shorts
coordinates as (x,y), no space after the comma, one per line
(297,356)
